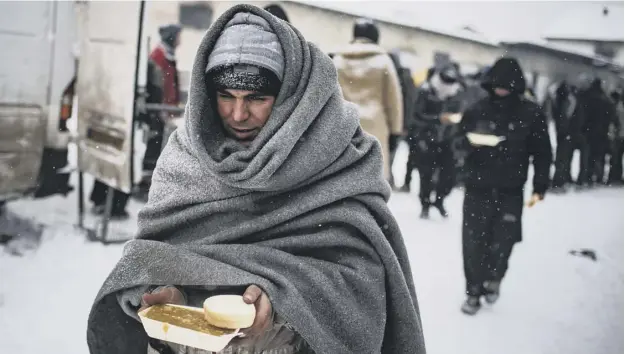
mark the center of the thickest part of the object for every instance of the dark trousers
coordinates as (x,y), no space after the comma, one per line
(98,197)
(599,148)
(392,153)
(564,156)
(154,144)
(435,158)
(491,227)
(412,160)
(616,162)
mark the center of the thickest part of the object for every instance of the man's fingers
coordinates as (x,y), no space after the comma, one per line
(164,296)
(252,293)
(263,316)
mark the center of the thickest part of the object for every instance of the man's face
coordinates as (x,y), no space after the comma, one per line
(244,113)
(501,92)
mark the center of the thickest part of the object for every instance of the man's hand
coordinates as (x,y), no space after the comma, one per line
(445,118)
(535,199)
(167,295)
(254,295)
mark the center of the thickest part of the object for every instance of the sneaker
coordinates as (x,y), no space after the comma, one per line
(441,209)
(471,306)
(491,291)
(405,188)
(558,190)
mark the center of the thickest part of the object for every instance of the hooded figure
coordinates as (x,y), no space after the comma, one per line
(496,175)
(280,198)
(431,135)
(368,78)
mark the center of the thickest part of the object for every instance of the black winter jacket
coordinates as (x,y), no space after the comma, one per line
(524,126)
(426,124)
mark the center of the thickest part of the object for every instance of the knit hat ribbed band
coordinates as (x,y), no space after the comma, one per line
(248,39)
(245,77)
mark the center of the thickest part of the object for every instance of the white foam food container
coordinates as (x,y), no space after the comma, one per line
(185,336)
(455,118)
(485,139)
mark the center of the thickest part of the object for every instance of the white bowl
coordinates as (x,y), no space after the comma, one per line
(485,139)
(185,336)
(455,118)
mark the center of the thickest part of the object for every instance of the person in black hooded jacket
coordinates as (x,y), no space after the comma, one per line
(495,178)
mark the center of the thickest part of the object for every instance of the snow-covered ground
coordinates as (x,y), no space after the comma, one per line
(552,302)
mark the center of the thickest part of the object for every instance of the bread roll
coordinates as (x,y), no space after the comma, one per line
(229,311)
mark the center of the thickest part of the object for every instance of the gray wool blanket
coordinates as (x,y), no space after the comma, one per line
(301,212)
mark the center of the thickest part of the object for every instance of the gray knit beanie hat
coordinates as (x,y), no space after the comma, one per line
(248,39)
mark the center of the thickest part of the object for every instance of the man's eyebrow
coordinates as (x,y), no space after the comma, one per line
(256,94)
(225,93)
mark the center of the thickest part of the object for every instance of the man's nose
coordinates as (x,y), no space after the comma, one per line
(240,112)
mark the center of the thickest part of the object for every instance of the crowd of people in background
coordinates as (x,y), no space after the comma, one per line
(437,119)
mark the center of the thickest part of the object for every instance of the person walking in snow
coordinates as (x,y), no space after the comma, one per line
(368,78)
(271,190)
(408,91)
(162,87)
(496,175)
(568,116)
(432,136)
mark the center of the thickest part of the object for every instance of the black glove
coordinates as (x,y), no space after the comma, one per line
(393,142)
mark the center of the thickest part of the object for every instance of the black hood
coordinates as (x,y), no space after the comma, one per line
(507,74)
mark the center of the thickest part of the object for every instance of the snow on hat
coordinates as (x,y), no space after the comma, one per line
(248,39)
(245,77)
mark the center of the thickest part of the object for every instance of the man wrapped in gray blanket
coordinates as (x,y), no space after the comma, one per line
(271,190)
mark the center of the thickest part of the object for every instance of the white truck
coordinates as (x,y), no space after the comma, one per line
(37,84)
(53,51)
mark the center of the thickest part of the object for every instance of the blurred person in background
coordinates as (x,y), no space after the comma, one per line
(431,135)
(471,93)
(600,112)
(410,130)
(408,93)
(568,117)
(496,175)
(369,79)
(162,87)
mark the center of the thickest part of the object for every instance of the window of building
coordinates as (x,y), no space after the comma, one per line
(195,15)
